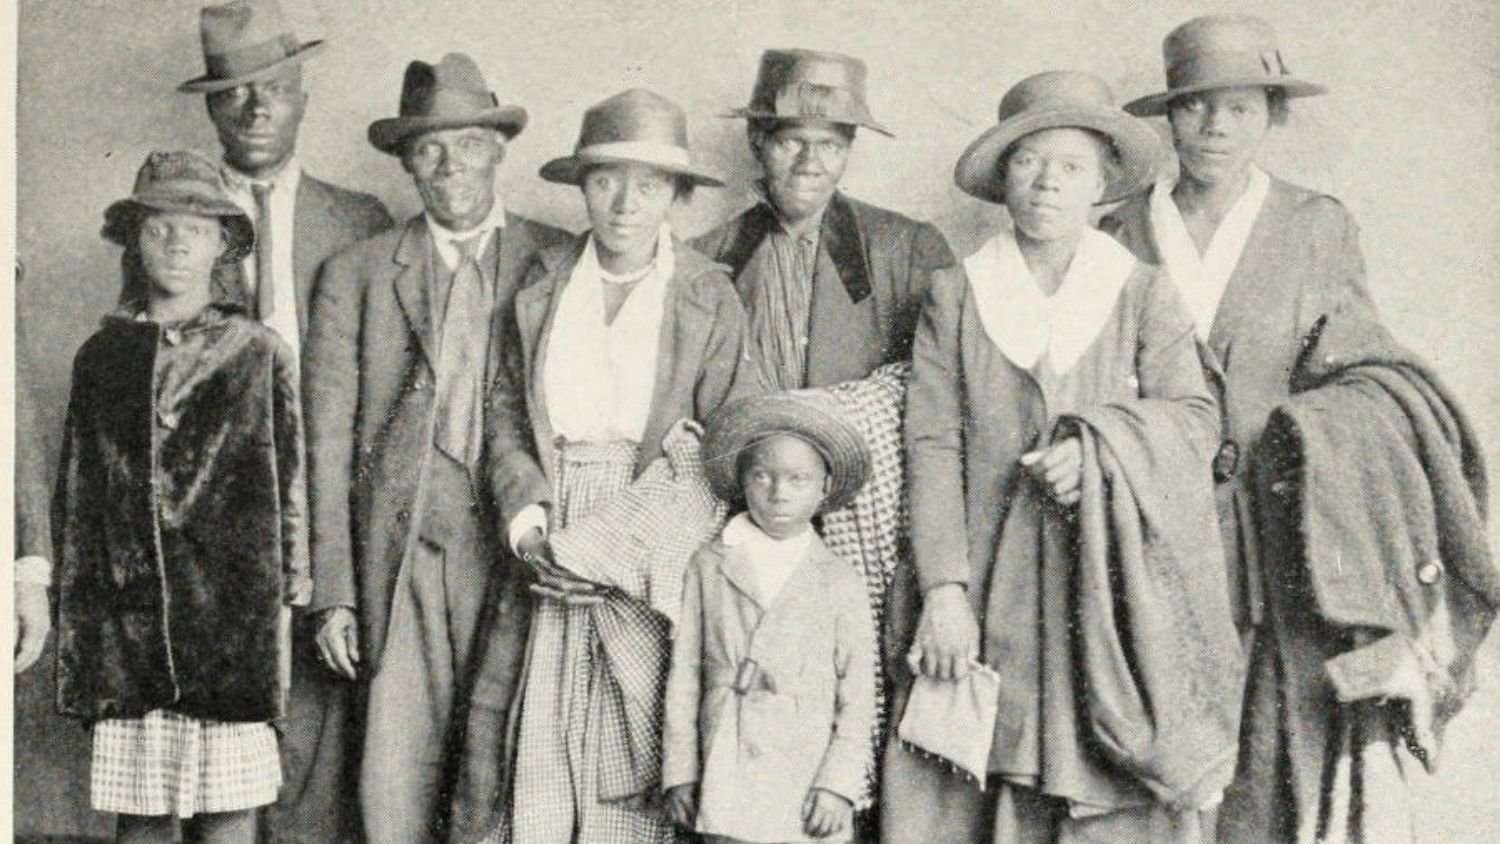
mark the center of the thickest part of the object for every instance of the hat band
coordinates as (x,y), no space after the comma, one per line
(811,100)
(450,102)
(646,152)
(166,188)
(255,57)
(1236,67)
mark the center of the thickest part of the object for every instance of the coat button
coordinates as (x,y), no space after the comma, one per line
(403,515)
(1430,573)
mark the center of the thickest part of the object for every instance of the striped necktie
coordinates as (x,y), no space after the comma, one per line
(463,353)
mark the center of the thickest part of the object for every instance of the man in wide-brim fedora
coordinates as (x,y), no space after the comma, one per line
(399,354)
(832,285)
(252,82)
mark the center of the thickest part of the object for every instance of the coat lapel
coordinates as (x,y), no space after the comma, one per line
(412,288)
(536,307)
(679,354)
(309,240)
(1248,293)
(840,239)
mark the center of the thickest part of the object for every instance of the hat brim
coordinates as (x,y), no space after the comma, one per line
(122,217)
(1155,105)
(865,121)
(208,84)
(813,417)
(390,134)
(1140,149)
(569,169)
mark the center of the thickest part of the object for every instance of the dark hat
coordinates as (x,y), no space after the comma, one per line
(810,85)
(447,95)
(635,126)
(1221,51)
(1053,100)
(245,40)
(810,415)
(183,182)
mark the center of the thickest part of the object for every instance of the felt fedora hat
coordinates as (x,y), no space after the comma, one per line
(1053,100)
(810,85)
(183,182)
(632,127)
(448,95)
(809,415)
(1222,51)
(245,40)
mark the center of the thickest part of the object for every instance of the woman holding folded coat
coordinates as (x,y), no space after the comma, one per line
(1058,412)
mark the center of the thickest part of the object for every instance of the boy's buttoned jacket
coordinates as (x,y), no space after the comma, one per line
(766,702)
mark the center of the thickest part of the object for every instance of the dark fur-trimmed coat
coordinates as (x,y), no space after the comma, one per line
(177,520)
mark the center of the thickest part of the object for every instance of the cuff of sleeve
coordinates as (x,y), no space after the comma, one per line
(532,516)
(33,570)
(843,771)
(299,590)
(1370,671)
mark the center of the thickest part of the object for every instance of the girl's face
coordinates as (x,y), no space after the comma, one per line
(1218,133)
(627,203)
(785,481)
(179,250)
(1053,177)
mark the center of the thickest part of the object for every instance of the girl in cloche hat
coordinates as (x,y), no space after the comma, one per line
(178,524)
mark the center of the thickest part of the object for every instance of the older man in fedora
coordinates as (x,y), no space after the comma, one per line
(832,285)
(252,82)
(400,349)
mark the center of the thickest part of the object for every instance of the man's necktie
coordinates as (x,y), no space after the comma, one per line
(462,357)
(265,274)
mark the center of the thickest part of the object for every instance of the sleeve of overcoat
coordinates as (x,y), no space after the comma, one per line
(843,769)
(728,372)
(515,477)
(680,763)
(291,477)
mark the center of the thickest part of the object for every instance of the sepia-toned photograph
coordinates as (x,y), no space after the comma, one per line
(857,421)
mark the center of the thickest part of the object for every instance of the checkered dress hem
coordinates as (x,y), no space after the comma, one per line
(166,763)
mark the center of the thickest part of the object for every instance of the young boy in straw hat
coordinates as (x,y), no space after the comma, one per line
(177,524)
(771,693)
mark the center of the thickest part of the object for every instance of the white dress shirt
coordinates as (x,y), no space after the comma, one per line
(283,229)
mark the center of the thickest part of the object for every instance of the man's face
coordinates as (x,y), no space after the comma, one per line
(257,121)
(454,170)
(803,163)
(178,251)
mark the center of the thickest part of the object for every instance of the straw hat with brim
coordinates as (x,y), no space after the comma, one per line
(1222,51)
(810,416)
(243,41)
(182,182)
(451,94)
(632,127)
(810,85)
(1054,100)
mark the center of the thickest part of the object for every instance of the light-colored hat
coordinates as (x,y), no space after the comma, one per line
(183,182)
(245,40)
(1053,100)
(810,85)
(448,95)
(632,127)
(809,415)
(1221,51)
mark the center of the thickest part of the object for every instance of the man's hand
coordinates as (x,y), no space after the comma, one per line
(33,623)
(682,804)
(947,634)
(825,813)
(553,581)
(338,641)
(1060,467)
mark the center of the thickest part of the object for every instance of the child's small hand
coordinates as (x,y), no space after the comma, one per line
(682,804)
(825,813)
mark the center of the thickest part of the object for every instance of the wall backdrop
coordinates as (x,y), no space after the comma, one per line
(1409,139)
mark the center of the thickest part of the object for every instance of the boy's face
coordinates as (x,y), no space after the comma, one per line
(785,482)
(178,251)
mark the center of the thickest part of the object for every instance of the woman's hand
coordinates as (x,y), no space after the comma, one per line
(33,622)
(825,813)
(1060,467)
(682,804)
(947,634)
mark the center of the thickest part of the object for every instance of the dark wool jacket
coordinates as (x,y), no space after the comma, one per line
(177,520)
(865,317)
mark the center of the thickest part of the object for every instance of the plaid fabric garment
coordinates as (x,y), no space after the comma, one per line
(574,714)
(165,763)
(872,533)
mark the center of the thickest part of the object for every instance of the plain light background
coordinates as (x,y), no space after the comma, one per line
(1407,139)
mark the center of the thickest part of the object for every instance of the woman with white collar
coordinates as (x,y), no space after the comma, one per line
(617,337)
(1049,319)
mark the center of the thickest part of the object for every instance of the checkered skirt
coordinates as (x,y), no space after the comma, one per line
(166,763)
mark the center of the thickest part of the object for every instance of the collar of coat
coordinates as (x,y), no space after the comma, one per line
(839,235)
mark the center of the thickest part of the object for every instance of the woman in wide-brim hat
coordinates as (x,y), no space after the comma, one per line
(1048,322)
(180,485)
(617,337)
